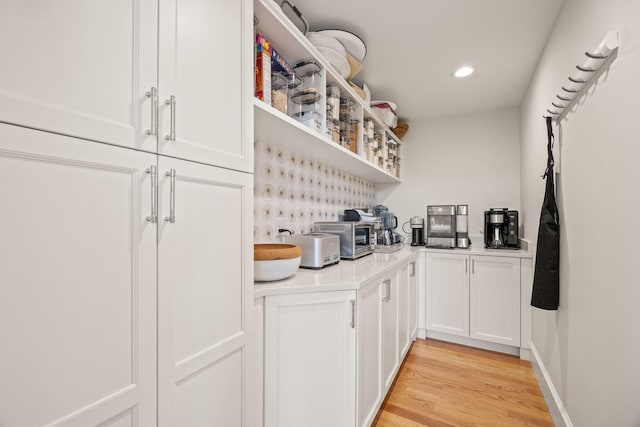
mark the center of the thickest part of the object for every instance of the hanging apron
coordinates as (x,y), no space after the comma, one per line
(546,277)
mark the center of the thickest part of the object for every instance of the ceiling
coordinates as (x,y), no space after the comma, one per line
(414,46)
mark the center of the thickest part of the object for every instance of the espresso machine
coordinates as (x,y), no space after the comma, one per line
(501,229)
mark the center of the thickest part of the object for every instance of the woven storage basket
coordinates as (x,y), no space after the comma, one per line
(401,129)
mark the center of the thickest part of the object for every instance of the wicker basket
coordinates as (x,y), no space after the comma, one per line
(401,129)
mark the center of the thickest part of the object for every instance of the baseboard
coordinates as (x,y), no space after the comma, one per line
(471,342)
(554,403)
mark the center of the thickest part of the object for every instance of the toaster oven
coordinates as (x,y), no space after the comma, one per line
(357,239)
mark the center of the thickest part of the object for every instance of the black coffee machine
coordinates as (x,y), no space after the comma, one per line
(417,230)
(501,229)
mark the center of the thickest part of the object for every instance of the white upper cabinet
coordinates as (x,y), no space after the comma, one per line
(173,77)
(80,68)
(205,82)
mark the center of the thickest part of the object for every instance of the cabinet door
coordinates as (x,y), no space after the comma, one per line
(206,65)
(80,68)
(369,353)
(403,311)
(389,331)
(205,297)
(495,299)
(310,360)
(78,290)
(413,301)
(447,293)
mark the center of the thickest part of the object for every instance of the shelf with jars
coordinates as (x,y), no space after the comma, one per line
(314,110)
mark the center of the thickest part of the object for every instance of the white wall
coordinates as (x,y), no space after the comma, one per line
(472,159)
(591,345)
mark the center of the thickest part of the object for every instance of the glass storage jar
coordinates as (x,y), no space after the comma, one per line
(279,91)
(310,89)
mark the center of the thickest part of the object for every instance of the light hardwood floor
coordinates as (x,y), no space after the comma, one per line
(442,384)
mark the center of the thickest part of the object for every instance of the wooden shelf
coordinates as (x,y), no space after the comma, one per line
(274,127)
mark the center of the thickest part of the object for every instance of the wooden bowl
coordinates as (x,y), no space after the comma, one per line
(271,251)
(275,261)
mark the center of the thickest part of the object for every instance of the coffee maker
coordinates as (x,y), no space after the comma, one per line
(501,229)
(417,230)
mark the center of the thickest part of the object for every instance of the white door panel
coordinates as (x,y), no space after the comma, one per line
(204,284)
(80,68)
(77,301)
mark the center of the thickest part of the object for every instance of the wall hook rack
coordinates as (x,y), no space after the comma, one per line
(597,62)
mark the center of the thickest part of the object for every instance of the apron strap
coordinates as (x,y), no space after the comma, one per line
(550,140)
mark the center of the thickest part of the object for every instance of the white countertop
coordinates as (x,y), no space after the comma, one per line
(351,275)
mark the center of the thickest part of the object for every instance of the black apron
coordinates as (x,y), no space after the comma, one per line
(546,278)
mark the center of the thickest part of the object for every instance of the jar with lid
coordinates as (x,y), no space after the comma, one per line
(279,91)
(333,102)
(354,126)
(309,90)
(295,83)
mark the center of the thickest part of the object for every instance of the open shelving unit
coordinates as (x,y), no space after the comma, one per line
(274,127)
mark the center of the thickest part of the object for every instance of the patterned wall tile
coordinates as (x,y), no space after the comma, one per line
(297,190)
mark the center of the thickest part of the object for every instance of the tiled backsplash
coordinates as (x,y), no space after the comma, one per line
(293,191)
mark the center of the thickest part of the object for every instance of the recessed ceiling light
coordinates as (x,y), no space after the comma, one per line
(463,72)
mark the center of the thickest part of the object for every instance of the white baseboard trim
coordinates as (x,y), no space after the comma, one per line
(545,381)
(471,342)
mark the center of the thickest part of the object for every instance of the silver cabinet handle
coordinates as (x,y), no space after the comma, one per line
(352,324)
(171,102)
(413,269)
(153,218)
(153,94)
(172,196)
(466,265)
(387,290)
(473,266)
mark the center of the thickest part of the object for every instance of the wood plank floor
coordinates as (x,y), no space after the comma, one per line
(442,384)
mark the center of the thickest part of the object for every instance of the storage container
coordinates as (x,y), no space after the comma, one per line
(279,91)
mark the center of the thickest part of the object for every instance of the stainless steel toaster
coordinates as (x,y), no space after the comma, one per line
(318,249)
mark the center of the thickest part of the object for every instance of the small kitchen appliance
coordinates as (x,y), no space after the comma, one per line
(462,226)
(389,222)
(356,238)
(501,229)
(441,226)
(319,250)
(417,230)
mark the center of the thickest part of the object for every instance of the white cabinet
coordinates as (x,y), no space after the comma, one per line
(390,360)
(474,296)
(447,293)
(78,282)
(369,352)
(407,307)
(310,359)
(412,311)
(203,282)
(205,82)
(495,300)
(80,68)
(104,71)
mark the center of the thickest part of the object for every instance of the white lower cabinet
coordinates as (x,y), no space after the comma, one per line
(108,317)
(474,296)
(369,352)
(389,330)
(77,283)
(330,357)
(412,310)
(310,359)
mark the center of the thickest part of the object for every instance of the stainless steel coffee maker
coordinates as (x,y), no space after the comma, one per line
(501,229)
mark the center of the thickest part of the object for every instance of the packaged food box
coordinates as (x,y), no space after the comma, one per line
(263,69)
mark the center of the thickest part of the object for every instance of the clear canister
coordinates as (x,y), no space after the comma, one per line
(333,102)
(309,90)
(279,91)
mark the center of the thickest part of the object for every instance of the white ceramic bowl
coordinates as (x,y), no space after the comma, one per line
(323,40)
(277,269)
(275,261)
